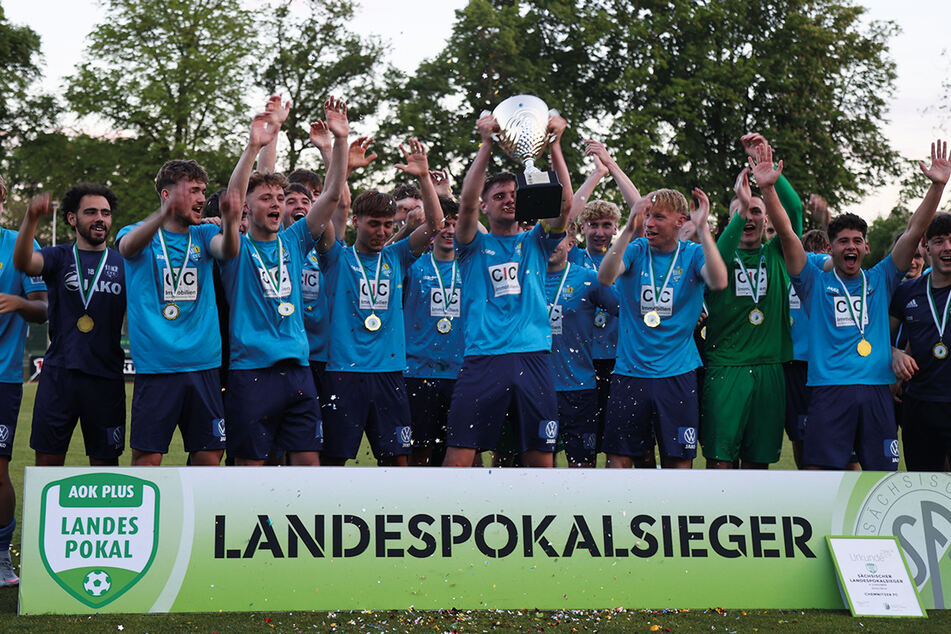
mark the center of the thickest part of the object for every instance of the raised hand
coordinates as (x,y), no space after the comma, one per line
(335,113)
(556,127)
(177,198)
(599,166)
(357,154)
(641,207)
(752,141)
(262,132)
(277,111)
(940,168)
(597,149)
(742,189)
(229,204)
(320,136)
(416,162)
(700,211)
(39,206)
(441,182)
(487,126)
(818,208)
(763,166)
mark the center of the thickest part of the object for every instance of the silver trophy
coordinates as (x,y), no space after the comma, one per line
(523,135)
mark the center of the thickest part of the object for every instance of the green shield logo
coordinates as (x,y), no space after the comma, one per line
(98,534)
(871,568)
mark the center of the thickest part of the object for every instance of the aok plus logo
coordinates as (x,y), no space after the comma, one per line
(98,534)
(915,508)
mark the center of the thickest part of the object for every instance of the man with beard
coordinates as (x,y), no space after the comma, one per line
(849,352)
(173,319)
(82,374)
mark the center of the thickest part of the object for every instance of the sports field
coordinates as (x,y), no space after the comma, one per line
(617,619)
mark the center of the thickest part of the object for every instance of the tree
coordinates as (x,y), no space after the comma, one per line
(312,55)
(20,61)
(170,72)
(671,85)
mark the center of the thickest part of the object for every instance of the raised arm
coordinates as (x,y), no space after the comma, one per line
(583,195)
(267,157)
(556,128)
(226,244)
(417,165)
(628,190)
(766,176)
(138,238)
(713,271)
(25,259)
(788,197)
(467,224)
(321,213)
(261,134)
(938,174)
(612,266)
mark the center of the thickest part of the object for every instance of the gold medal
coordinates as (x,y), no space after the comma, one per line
(372,323)
(864,348)
(443,326)
(285,309)
(86,324)
(170,311)
(756,317)
(940,350)
(652,319)
(600,319)
(703,333)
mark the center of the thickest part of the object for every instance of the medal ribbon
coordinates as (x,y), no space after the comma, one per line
(176,278)
(376,280)
(86,291)
(275,286)
(442,287)
(761,270)
(934,313)
(561,285)
(860,322)
(658,292)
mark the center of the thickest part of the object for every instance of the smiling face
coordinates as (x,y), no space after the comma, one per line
(92,220)
(266,206)
(444,238)
(661,227)
(939,251)
(598,233)
(848,248)
(498,203)
(296,206)
(195,200)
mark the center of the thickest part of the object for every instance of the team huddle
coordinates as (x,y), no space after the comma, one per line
(255,328)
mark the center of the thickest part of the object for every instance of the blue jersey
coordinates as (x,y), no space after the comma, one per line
(910,306)
(431,354)
(668,349)
(353,347)
(504,309)
(97,352)
(833,334)
(261,331)
(798,315)
(316,308)
(190,342)
(12,326)
(572,325)
(604,344)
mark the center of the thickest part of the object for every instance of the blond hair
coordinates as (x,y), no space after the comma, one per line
(670,199)
(598,209)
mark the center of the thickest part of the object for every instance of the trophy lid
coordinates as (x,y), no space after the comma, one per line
(523,121)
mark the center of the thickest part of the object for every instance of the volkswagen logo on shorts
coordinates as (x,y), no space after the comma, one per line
(405,435)
(687,436)
(891,448)
(690,435)
(4,433)
(116,435)
(549,430)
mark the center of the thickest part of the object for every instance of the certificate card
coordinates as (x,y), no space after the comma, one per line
(874,576)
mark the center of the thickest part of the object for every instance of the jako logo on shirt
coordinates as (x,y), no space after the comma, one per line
(505,279)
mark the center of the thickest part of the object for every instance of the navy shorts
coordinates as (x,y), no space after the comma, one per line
(10,396)
(487,385)
(667,406)
(797,397)
(429,401)
(843,417)
(925,434)
(317,370)
(578,422)
(272,407)
(99,403)
(190,401)
(374,402)
(603,369)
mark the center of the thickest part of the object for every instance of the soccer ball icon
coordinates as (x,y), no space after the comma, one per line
(97,582)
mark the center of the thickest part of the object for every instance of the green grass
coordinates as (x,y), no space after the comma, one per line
(448,620)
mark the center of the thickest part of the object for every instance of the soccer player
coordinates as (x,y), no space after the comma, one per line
(83,367)
(508,333)
(748,337)
(367,348)
(271,398)
(922,307)
(849,351)
(660,282)
(432,295)
(22,298)
(173,319)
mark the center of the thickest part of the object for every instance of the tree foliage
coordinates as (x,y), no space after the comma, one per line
(20,61)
